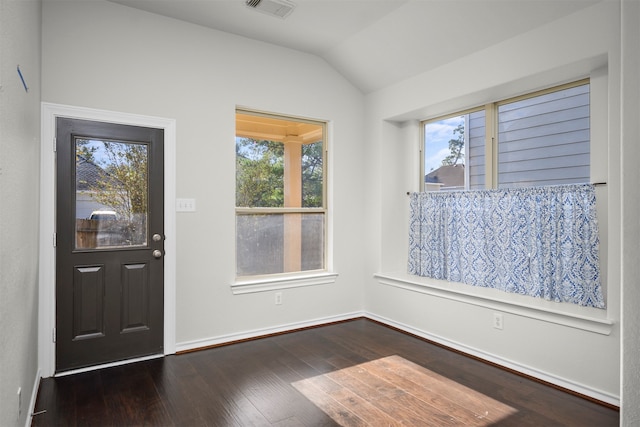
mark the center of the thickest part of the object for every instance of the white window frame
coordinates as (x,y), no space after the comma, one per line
(276,281)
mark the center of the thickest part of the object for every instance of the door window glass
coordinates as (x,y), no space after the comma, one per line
(111,201)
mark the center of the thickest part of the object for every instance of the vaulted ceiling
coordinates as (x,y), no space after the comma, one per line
(375,43)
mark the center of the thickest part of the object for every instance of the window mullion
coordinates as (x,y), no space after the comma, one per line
(491,146)
(279,211)
(467,152)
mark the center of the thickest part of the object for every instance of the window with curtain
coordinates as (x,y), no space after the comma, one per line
(524,222)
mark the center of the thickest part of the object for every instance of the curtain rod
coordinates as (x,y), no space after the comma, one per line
(593,183)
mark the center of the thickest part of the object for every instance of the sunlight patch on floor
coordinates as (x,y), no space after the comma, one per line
(393,391)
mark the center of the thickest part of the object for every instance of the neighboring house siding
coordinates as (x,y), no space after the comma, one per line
(448,177)
(545,140)
(85,204)
(476,122)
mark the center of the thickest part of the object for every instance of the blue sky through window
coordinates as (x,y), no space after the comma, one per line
(436,141)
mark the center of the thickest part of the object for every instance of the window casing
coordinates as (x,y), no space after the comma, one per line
(542,138)
(281,210)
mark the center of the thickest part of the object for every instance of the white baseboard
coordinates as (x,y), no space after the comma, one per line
(230,338)
(543,376)
(34,397)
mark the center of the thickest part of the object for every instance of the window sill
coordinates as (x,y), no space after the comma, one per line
(264,284)
(588,319)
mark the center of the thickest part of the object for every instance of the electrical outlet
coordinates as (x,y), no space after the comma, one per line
(278,298)
(19,402)
(497,321)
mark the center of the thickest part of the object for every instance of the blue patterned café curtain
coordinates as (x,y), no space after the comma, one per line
(536,241)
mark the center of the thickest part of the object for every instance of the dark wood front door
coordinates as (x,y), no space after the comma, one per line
(109,242)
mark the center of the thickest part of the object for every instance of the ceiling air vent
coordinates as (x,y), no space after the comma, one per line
(279,8)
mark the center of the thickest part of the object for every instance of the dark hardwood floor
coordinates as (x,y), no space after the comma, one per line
(359,372)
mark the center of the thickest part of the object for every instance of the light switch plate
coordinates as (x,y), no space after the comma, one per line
(185,205)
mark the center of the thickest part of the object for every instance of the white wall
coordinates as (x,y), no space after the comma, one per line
(19,186)
(548,341)
(630,414)
(102,55)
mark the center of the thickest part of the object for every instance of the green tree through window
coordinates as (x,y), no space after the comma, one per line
(280,194)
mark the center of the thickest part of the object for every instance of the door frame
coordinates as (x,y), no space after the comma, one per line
(47,263)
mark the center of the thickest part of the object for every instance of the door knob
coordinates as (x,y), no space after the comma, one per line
(157,253)
(157,237)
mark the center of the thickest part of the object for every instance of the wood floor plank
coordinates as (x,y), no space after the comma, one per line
(384,368)
(387,398)
(317,350)
(524,394)
(332,407)
(483,406)
(363,408)
(266,382)
(220,399)
(171,376)
(88,408)
(365,348)
(135,396)
(405,402)
(55,404)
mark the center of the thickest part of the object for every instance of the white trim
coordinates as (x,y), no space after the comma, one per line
(602,326)
(109,365)
(264,284)
(256,333)
(34,397)
(47,266)
(551,379)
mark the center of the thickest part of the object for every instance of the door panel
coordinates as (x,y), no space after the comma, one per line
(109,284)
(88,302)
(135,297)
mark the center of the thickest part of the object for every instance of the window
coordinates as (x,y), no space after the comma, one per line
(544,139)
(454,155)
(539,139)
(280,194)
(526,233)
